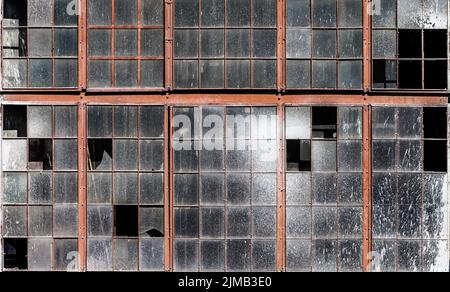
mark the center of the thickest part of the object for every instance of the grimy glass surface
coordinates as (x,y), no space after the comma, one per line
(225,44)
(125,214)
(410,44)
(225,188)
(125,43)
(40,44)
(324,44)
(40,188)
(409,189)
(324,188)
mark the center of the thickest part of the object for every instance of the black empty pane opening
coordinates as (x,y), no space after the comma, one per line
(15,253)
(14,121)
(100,152)
(409,43)
(435,75)
(435,43)
(298,155)
(410,74)
(435,155)
(126,221)
(40,154)
(324,122)
(435,122)
(15,10)
(384,74)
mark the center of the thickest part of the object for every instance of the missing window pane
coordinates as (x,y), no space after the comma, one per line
(410,74)
(14,121)
(126,221)
(15,252)
(40,154)
(435,74)
(410,43)
(324,122)
(435,43)
(435,155)
(99,154)
(298,155)
(435,122)
(384,74)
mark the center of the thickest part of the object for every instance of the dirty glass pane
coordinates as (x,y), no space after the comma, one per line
(350,255)
(238,13)
(151,222)
(100,220)
(298,123)
(410,122)
(384,155)
(238,73)
(186,13)
(152,41)
(264,222)
(383,122)
(126,73)
(238,43)
(298,254)
(324,13)
(350,44)
(125,42)
(435,14)
(384,189)
(99,75)
(264,157)
(186,222)
(350,188)
(409,217)
(410,13)
(99,188)
(125,155)
(384,43)
(66,187)
(65,220)
(324,74)
(100,121)
(298,74)
(349,156)
(151,121)
(324,44)
(350,13)
(263,255)
(212,254)
(14,221)
(151,190)
(298,42)
(238,222)
(212,222)
(212,13)
(409,189)
(40,12)
(14,73)
(41,73)
(434,256)
(384,221)
(324,255)
(212,189)
(264,43)
(66,121)
(40,191)
(238,255)
(151,155)
(39,121)
(186,74)
(211,74)
(185,255)
(66,73)
(298,13)
(350,74)
(324,188)
(125,188)
(410,156)
(14,154)
(125,255)
(65,13)
(66,42)
(66,157)
(435,217)
(125,121)
(39,254)
(264,189)
(323,155)
(350,122)
(238,189)
(40,42)
(350,222)
(151,254)
(298,222)
(387,252)
(186,189)
(99,12)
(125,12)
(14,188)
(298,189)
(40,221)
(409,256)
(152,12)
(185,43)
(212,160)
(387,14)
(152,73)
(99,254)
(65,254)
(186,160)
(99,42)
(264,13)
(325,223)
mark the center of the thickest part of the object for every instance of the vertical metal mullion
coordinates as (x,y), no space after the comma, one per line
(281,45)
(281,193)
(367,43)
(113,51)
(82,44)
(168,191)
(367,187)
(168,44)
(139,29)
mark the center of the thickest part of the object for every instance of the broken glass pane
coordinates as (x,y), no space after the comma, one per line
(40,12)
(40,191)
(14,221)
(99,188)
(39,254)
(298,74)
(99,73)
(409,256)
(264,13)
(384,155)
(298,222)
(185,255)
(410,156)
(99,220)
(324,188)
(125,155)
(66,157)
(350,222)
(151,254)
(186,222)
(349,156)
(151,222)
(384,189)
(238,222)
(212,222)
(126,254)
(384,43)
(125,121)
(238,255)
(264,222)
(324,255)
(65,254)
(324,13)
(212,255)
(152,12)
(99,254)
(325,223)
(298,189)
(298,255)
(186,189)
(238,189)
(151,189)
(40,221)
(350,255)
(298,13)
(238,13)
(384,221)
(350,188)
(65,221)
(125,188)
(14,188)
(264,255)
(264,189)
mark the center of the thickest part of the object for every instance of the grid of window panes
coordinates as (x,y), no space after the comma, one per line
(410,44)
(40,187)
(125,43)
(324,47)
(225,44)
(409,189)
(125,220)
(40,44)
(225,189)
(324,189)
